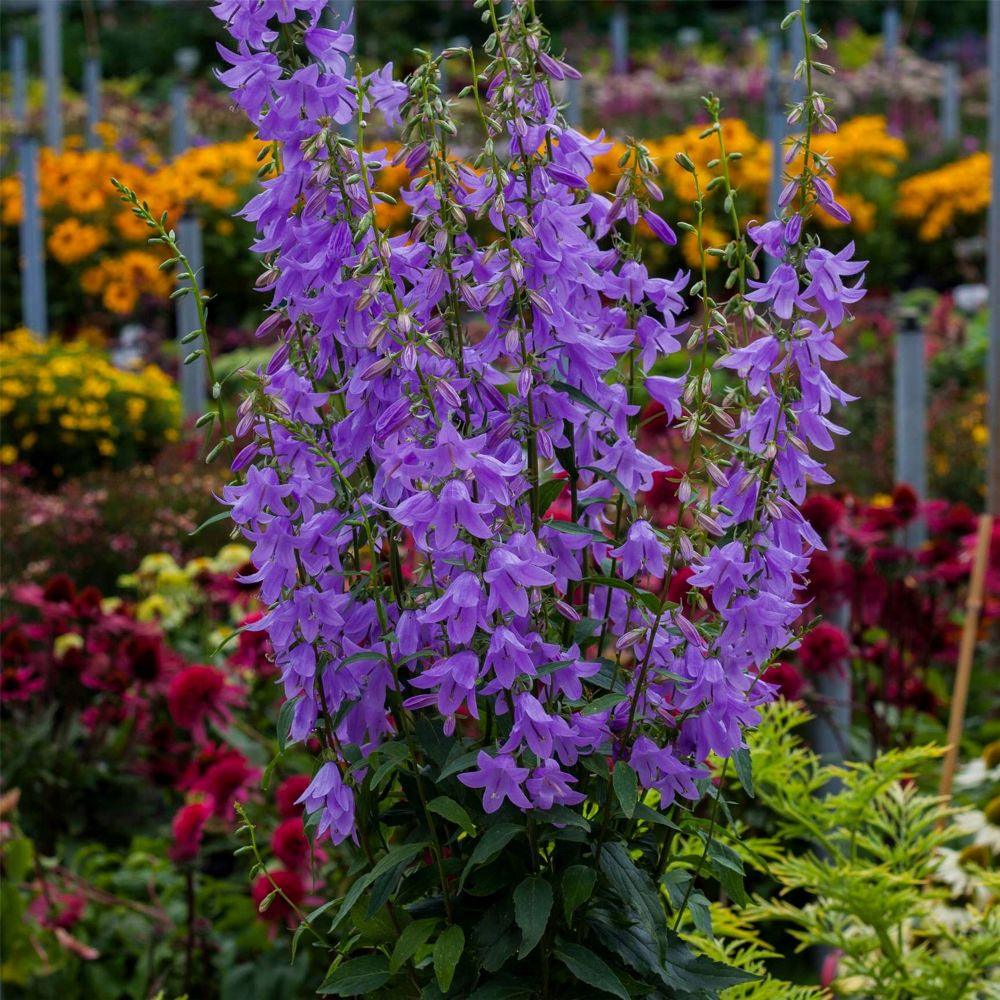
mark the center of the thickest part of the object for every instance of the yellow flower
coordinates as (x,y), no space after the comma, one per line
(8,454)
(73,241)
(65,642)
(938,199)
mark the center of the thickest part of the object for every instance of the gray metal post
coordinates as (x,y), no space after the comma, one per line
(890,34)
(910,417)
(51,20)
(951,103)
(31,246)
(619,38)
(34,311)
(574,103)
(92,93)
(192,377)
(993,375)
(19,72)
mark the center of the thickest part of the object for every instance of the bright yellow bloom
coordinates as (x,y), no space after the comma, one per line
(72,241)
(938,199)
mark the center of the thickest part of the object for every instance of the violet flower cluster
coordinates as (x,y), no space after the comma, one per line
(402,459)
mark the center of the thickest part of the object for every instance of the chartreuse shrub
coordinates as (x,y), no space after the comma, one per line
(511,710)
(855,865)
(66,410)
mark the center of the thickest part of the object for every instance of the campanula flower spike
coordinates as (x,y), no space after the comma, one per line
(401,471)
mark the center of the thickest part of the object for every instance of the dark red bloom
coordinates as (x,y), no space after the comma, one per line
(197,694)
(823,512)
(60,589)
(905,502)
(188,828)
(225,782)
(54,909)
(288,791)
(824,648)
(278,910)
(290,844)
(787,679)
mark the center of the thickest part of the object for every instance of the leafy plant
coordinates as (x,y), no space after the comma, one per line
(853,867)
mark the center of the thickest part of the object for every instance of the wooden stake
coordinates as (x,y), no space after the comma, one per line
(970,628)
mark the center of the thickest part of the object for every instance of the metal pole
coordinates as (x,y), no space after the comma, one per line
(910,425)
(192,377)
(574,103)
(34,312)
(619,39)
(951,103)
(19,72)
(890,33)
(92,93)
(993,377)
(51,18)
(31,246)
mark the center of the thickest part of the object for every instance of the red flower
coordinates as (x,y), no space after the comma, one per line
(824,648)
(905,502)
(787,679)
(290,884)
(823,512)
(197,694)
(288,791)
(54,909)
(224,782)
(679,585)
(291,846)
(188,829)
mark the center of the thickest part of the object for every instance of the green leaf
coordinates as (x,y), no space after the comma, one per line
(726,866)
(451,810)
(460,763)
(602,704)
(590,969)
(447,951)
(365,656)
(490,845)
(357,976)
(577,887)
(700,974)
(548,493)
(572,528)
(214,519)
(413,938)
(626,786)
(532,906)
(649,600)
(616,482)
(634,888)
(741,761)
(579,397)
(285,715)
(397,855)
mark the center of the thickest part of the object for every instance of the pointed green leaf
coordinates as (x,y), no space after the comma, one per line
(413,938)
(532,906)
(590,969)
(451,810)
(577,887)
(447,952)
(626,788)
(356,977)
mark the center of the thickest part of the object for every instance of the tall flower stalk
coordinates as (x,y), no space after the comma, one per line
(440,474)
